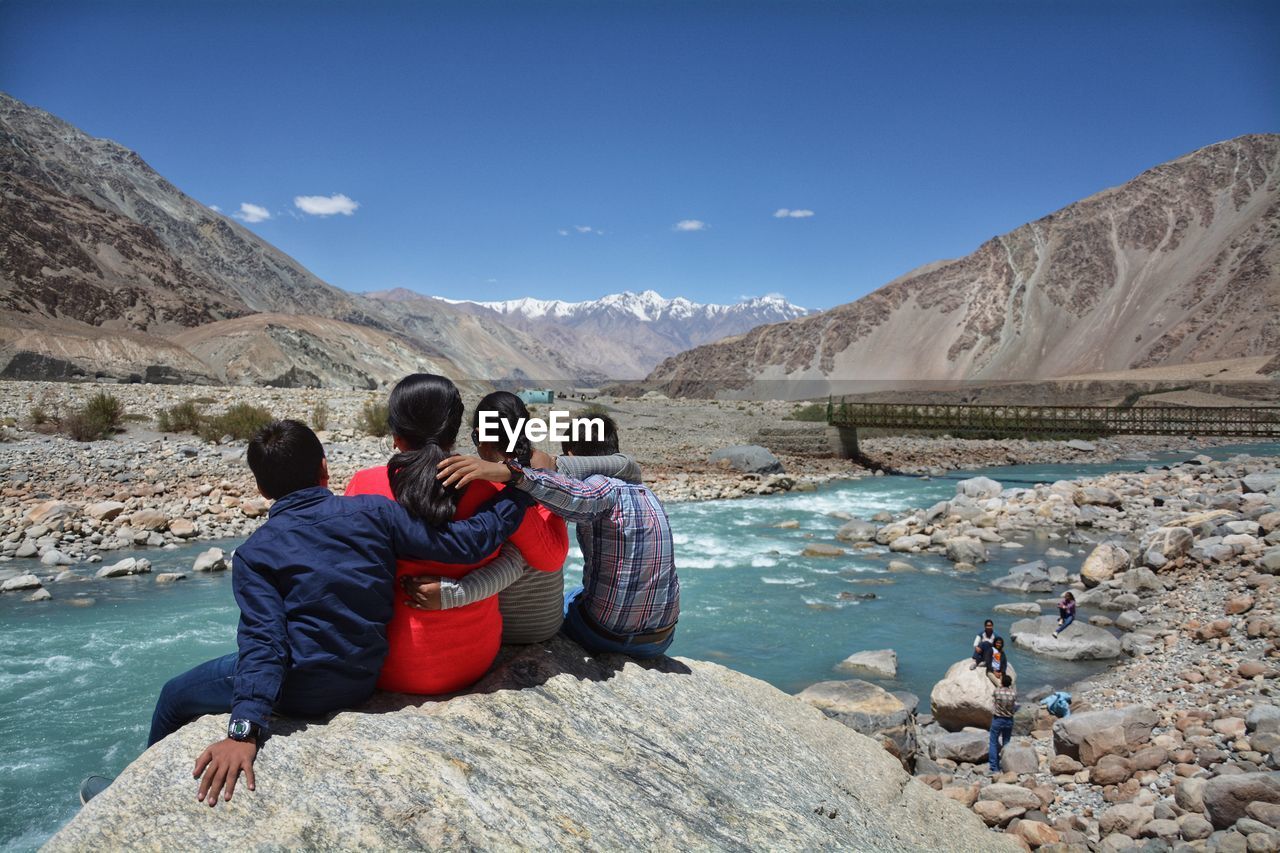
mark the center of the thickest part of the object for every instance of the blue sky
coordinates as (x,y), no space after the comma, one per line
(472,135)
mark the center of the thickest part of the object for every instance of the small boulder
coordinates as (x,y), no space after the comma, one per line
(1089,735)
(41,594)
(979,488)
(882,663)
(149,519)
(182,528)
(212,560)
(1019,758)
(104,510)
(21,582)
(170,577)
(1011,795)
(747,458)
(1227,797)
(1096,496)
(48,512)
(822,549)
(966,747)
(1103,563)
(965,549)
(856,531)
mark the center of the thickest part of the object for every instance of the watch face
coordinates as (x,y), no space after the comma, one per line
(239,729)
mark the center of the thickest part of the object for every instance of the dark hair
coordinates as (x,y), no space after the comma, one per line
(606,446)
(997,639)
(1069,595)
(1006,680)
(424,412)
(988,622)
(285,456)
(511,409)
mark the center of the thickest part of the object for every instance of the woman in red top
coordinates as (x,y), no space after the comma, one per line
(442,651)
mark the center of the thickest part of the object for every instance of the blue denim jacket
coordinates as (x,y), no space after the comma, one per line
(315,586)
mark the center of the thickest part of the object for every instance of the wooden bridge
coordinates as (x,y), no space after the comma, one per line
(1054,421)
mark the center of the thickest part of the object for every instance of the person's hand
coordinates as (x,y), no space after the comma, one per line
(221,765)
(423,591)
(545,461)
(458,471)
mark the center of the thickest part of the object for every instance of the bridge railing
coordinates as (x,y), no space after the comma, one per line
(1243,421)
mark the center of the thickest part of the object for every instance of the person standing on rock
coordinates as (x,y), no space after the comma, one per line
(997,662)
(1066,613)
(982,643)
(1004,706)
(630,598)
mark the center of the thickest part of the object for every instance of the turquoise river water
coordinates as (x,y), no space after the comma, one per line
(77,683)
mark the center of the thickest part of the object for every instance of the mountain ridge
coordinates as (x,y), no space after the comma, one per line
(1179,264)
(622,335)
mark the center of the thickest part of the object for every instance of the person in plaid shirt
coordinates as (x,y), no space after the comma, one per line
(1004,706)
(630,598)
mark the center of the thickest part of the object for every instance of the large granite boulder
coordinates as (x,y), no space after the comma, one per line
(1028,577)
(1227,797)
(1089,735)
(881,663)
(963,697)
(1081,641)
(553,749)
(979,487)
(747,458)
(869,710)
(1103,563)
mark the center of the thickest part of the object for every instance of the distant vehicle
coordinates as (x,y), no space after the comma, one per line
(537,395)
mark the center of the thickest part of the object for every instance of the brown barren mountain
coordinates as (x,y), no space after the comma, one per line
(1179,265)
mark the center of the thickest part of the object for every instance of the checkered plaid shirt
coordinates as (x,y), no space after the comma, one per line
(628,574)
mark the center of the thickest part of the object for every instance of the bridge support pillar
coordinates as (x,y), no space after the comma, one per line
(844,441)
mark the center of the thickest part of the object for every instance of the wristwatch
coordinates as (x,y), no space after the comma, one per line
(516,469)
(243,730)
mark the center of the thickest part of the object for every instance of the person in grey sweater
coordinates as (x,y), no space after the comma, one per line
(531,601)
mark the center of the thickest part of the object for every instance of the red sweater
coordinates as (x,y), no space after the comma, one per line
(442,651)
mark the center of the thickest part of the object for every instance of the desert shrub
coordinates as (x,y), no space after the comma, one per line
(100,417)
(591,410)
(240,422)
(105,409)
(373,418)
(320,416)
(811,412)
(40,415)
(184,417)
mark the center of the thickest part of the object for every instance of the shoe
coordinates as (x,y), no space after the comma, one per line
(92,786)
(973,666)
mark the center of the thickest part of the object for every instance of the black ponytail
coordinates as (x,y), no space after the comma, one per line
(425,413)
(511,409)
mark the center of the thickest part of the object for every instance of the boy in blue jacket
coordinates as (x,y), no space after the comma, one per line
(315,587)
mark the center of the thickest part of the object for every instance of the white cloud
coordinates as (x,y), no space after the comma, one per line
(691,225)
(787,213)
(252,212)
(583,229)
(215,208)
(580,229)
(325,205)
(562,232)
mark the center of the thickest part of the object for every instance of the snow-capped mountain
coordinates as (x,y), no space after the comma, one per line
(648,306)
(622,335)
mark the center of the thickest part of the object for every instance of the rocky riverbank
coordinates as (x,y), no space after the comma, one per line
(1175,747)
(65,502)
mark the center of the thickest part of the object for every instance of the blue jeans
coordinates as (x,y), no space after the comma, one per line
(1066,620)
(577,629)
(206,689)
(1001,731)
